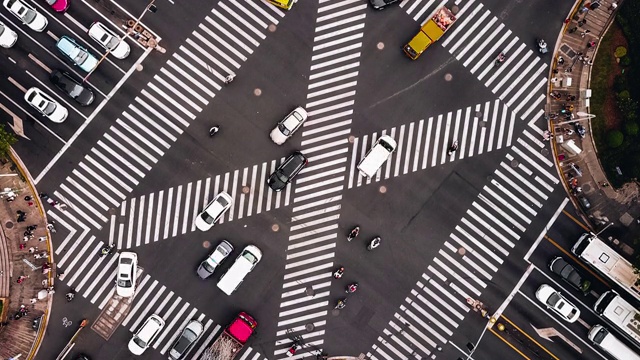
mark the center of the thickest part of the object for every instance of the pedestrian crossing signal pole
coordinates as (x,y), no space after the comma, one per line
(71,342)
(151,7)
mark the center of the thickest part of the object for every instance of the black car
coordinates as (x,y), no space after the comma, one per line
(381,4)
(71,87)
(569,274)
(287,171)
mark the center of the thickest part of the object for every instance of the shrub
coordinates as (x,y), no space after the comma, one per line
(620,51)
(625,61)
(631,128)
(620,83)
(6,140)
(628,107)
(623,95)
(615,138)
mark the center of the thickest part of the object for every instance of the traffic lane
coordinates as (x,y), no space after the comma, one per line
(533,325)
(566,230)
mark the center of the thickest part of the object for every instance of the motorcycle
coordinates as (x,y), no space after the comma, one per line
(35,324)
(341,304)
(354,233)
(294,347)
(21,312)
(338,273)
(453,148)
(374,243)
(542,46)
(229,78)
(580,130)
(70,295)
(214,130)
(351,288)
(107,250)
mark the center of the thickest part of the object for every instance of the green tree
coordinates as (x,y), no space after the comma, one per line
(615,138)
(631,128)
(628,107)
(7,139)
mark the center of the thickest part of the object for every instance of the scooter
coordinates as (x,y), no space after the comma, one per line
(580,130)
(108,250)
(354,233)
(338,273)
(351,288)
(542,46)
(374,243)
(341,304)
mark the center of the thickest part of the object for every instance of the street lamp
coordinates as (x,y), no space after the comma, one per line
(151,8)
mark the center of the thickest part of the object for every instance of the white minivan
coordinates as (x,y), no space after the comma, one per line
(609,343)
(377,156)
(243,265)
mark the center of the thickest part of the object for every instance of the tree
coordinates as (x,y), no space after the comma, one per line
(615,138)
(7,139)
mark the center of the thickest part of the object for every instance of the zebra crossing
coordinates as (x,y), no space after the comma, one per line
(164,108)
(476,39)
(478,129)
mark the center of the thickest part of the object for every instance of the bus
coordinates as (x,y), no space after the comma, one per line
(608,262)
(619,313)
(616,348)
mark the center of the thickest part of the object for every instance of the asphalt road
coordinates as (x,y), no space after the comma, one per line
(140,183)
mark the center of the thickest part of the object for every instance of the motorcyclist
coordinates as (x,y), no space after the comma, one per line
(341,304)
(502,57)
(453,147)
(229,78)
(374,243)
(352,288)
(338,273)
(354,233)
(214,130)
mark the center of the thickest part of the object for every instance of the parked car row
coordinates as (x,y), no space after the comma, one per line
(68,47)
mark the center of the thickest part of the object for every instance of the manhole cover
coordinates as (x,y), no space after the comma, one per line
(309,327)
(544,151)
(275,227)
(309,291)
(514,163)
(206,244)
(272,28)
(380,45)
(245,189)
(383,189)
(478,114)
(335,312)
(448,77)
(586,188)
(8,224)
(257,92)
(462,251)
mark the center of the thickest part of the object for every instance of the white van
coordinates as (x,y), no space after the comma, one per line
(377,156)
(601,337)
(243,265)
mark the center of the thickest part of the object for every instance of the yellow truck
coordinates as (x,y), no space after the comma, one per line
(430,32)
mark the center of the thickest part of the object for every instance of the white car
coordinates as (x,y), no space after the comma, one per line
(109,40)
(209,265)
(556,302)
(287,126)
(190,334)
(27,14)
(213,211)
(46,105)
(146,334)
(8,37)
(126,278)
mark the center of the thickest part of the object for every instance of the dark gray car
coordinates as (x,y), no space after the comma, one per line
(209,265)
(289,168)
(190,334)
(569,274)
(381,4)
(63,81)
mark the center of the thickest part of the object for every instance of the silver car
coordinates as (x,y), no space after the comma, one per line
(209,265)
(190,334)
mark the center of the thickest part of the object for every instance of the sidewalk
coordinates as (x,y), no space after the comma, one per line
(583,175)
(22,255)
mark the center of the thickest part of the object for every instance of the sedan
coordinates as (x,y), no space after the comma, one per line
(146,334)
(109,40)
(187,339)
(71,87)
(27,14)
(218,255)
(126,278)
(58,5)
(213,211)
(381,4)
(76,53)
(46,105)
(569,274)
(288,170)
(8,37)
(556,302)
(287,126)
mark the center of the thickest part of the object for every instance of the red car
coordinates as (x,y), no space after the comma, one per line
(58,5)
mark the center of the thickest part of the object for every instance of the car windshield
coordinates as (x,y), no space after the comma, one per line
(79,56)
(75,90)
(1,29)
(28,15)
(113,42)
(209,265)
(185,340)
(47,107)
(222,201)
(51,2)
(125,283)
(139,342)
(207,218)
(554,299)
(283,129)
(249,256)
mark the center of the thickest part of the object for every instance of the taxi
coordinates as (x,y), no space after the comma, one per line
(285,4)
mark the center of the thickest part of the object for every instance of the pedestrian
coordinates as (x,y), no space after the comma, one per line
(591,44)
(32,250)
(554,80)
(605,184)
(42,238)
(568,70)
(23,246)
(33,300)
(613,7)
(560,60)
(584,33)
(582,22)
(573,29)
(595,5)
(27,198)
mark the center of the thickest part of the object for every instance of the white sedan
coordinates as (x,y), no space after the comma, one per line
(287,126)
(213,211)
(556,302)
(109,40)
(126,278)
(46,105)
(8,37)
(27,14)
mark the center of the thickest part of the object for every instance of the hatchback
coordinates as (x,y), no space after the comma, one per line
(556,302)
(126,277)
(27,14)
(146,334)
(209,265)
(190,334)
(569,274)
(213,211)
(288,170)
(8,37)
(287,126)
(46,105)
(76,53)
(63,81)
(109,40)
